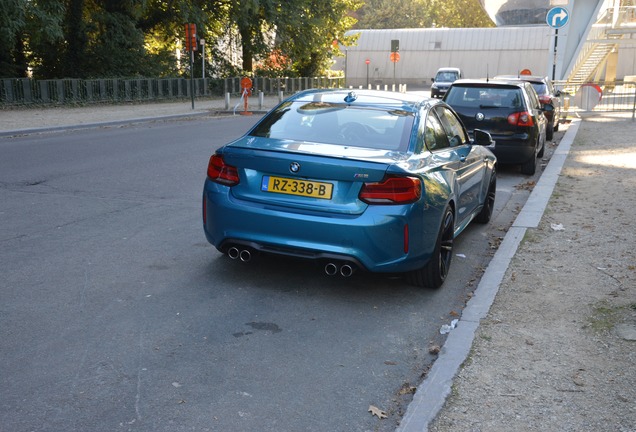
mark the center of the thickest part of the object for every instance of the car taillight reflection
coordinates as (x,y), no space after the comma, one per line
(545,99)
(392,190)
(220,172)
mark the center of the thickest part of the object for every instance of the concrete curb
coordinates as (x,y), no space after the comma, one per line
(433,391)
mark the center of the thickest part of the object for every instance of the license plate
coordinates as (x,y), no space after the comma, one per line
(296,187)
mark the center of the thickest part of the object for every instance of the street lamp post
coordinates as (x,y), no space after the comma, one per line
(367,61)
(202,58)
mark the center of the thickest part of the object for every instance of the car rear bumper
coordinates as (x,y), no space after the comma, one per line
(374,241)
(513,151)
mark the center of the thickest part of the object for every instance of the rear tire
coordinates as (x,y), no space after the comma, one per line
(483,217)
(530,166)
(549,132)
(542,151)
(433,274)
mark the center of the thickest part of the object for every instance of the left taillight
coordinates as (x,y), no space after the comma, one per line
(220,172)
(521,119)
(392,190)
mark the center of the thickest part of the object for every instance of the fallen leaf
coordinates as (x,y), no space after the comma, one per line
(407,389)
(375,411)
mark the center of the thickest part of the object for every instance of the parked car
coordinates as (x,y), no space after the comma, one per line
(510,111)
(369,180)
(443,79)
(547,95)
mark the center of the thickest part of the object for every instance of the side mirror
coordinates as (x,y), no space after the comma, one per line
(548,107)
(432,79)
(557,93)
(482,138)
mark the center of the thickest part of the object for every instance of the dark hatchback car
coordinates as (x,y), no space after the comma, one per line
(510,111)
(547,95)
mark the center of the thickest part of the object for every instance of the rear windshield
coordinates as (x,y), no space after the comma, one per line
(540,88)
(484,97)
(338,124)
(446,76)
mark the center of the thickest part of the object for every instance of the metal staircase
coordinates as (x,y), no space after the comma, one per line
(604,39)
(593,60)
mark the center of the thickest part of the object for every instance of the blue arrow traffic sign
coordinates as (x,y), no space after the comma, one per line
(557,17)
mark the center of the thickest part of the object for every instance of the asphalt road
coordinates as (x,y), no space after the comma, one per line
(116,314)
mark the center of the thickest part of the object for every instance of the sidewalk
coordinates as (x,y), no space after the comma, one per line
(552,323)
(548,341)
(39,118)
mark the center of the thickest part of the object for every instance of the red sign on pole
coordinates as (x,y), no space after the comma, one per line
(191,37)
(246,86)
(395,57)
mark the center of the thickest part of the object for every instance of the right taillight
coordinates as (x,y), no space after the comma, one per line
(220,172)
(545,99)
(392,190)
(521,119)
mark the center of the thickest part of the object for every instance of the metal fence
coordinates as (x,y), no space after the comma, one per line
(25,91)
(599,96)
(602,96)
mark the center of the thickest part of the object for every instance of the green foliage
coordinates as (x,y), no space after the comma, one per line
(124,38)
(390,14)
(12,22)
(307,36)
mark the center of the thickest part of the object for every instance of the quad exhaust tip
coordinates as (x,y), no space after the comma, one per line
(245,254)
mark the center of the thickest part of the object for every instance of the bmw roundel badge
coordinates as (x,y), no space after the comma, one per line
(294,167)
(480,116)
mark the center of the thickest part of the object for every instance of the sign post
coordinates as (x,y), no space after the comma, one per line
(191,46)
(395,54)
(395,57)
(202,41)
(367,61)
(556,18)
(246,92)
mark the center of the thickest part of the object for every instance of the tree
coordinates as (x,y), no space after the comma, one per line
(389,14)
(12,23)
(75,35)
(392,14)
(253,19)
(45,37)
(460,13)
(307,36)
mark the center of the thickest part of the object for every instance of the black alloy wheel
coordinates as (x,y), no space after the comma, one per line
(434,273)
(483,217)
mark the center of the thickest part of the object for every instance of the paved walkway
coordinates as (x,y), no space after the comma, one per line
(38,118)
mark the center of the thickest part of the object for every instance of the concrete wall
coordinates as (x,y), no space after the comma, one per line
(479,52)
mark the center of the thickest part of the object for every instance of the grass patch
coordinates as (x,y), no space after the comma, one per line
(605,316)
